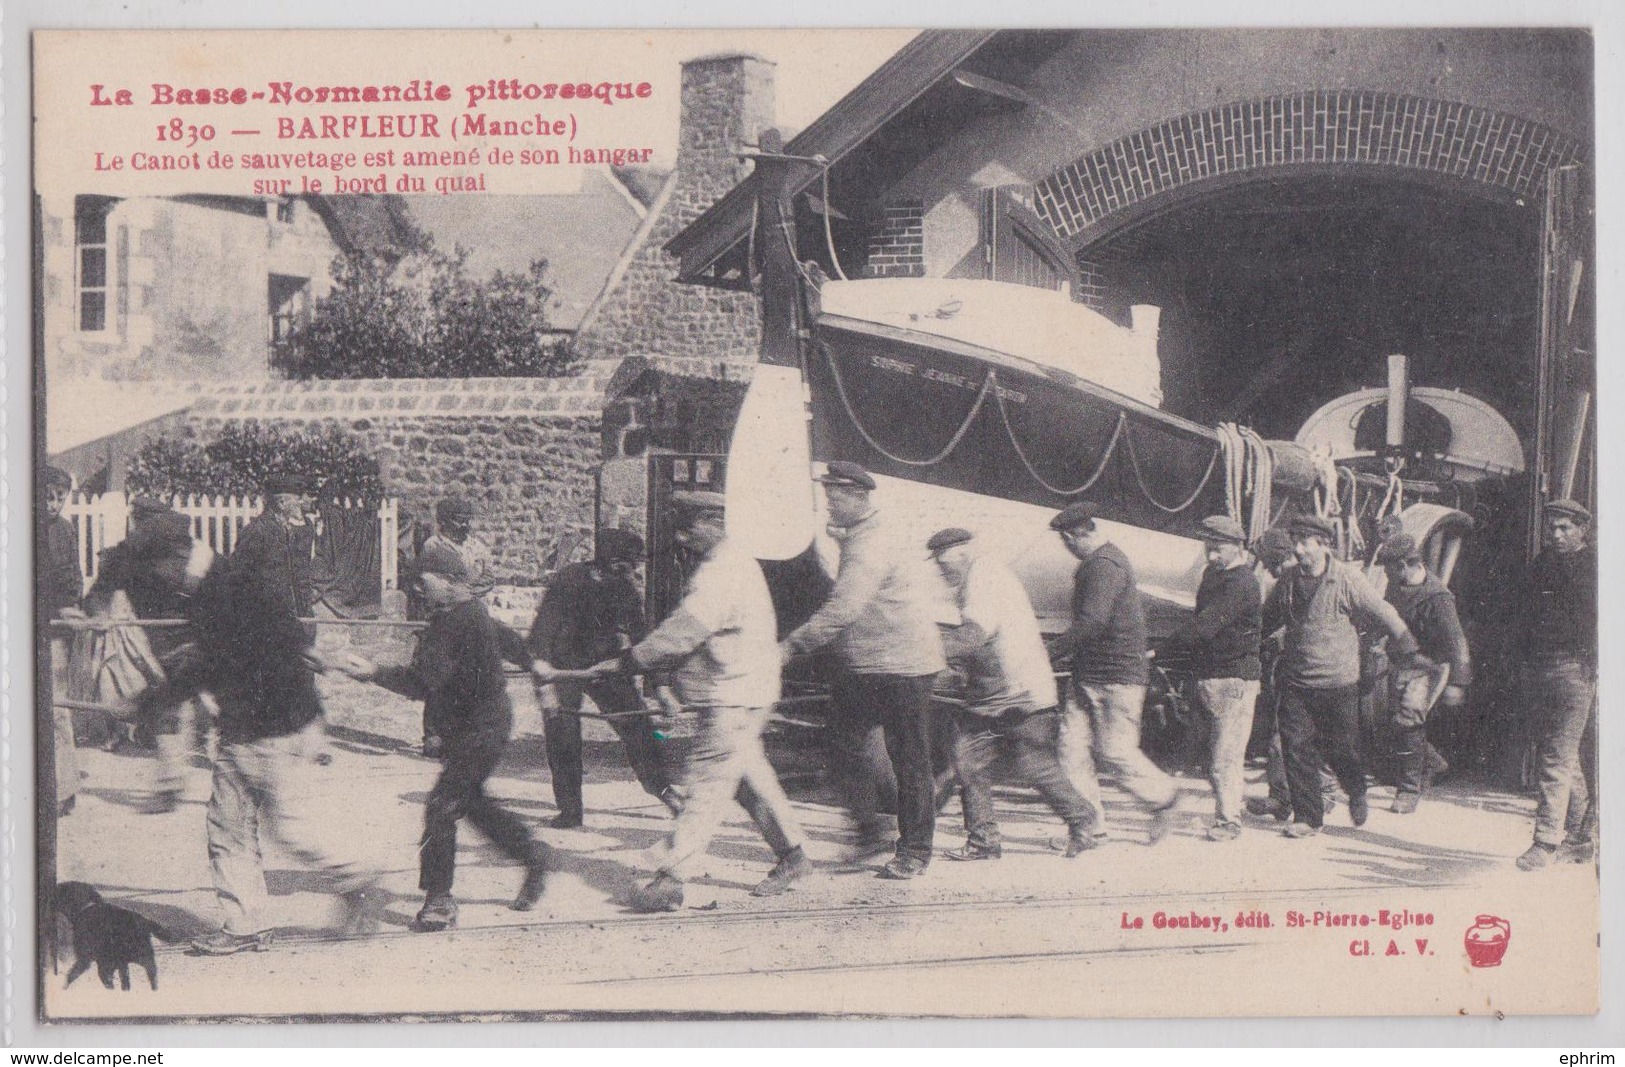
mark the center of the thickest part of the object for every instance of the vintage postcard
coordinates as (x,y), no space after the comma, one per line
(1043,523)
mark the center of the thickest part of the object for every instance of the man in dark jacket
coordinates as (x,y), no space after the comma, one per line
(1429,609)
(456,670)
(1106,644)
(61,584)
(1224,636)
(592,612)
(1561,607)
(255,657)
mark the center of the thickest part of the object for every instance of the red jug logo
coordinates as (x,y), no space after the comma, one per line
(1486,941)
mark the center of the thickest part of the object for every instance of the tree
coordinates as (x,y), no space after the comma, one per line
(420,315)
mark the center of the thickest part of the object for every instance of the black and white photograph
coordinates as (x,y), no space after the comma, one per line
(774,523)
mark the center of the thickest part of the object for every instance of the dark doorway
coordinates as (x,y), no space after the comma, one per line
(1282,294)
(1279,295)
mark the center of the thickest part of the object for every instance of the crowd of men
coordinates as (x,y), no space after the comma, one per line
(1278,631)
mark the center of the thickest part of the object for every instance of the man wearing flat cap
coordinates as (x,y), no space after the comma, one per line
(721,643)
(454,533)
(454,530)
(1318,603)
(590,612)
(255,657)
(1562,677)
(1441,674)
(1223,634)
(270,573)
(879,622)
(1107,648)
(1011,703)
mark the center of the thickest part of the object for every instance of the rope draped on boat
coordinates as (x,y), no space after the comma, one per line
(1105,457)
(1231,445)
(990,385)
(1249,477)
(1261,485)
(1134,462)
(851,413)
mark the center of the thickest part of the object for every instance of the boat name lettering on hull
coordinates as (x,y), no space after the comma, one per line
(894,365)
(897,366)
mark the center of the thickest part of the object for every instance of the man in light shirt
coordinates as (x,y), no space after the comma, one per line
(879,622)
(1319,602)
(721,645)
(1012,706)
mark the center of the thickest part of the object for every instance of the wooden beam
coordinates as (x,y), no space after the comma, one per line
(994,87)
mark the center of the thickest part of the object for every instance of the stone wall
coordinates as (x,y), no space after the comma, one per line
(525,450)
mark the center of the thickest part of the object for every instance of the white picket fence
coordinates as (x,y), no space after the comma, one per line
(102,521)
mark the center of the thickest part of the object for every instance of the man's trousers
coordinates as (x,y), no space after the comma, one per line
(1031,740)
(267,786)
(1229,703)
(1316,725)
(1102,729)
(899,707)
(563,735)
(727,764)
(459,793)
(1565,694)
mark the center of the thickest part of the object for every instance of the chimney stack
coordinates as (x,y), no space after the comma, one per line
(727,101)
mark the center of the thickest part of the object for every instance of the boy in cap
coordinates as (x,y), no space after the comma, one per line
(1429,609)
(1562,672)
(592,611)
(721,644)
(1011,703)
(1106,644)
(879,622)
(61,584)
(454,533)
(456,670)
(1224,635)
(454,530)
(1318,602)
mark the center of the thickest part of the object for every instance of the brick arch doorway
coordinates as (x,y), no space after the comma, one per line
(1478,150)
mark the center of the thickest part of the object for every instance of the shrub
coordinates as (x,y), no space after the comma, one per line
(238,461)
